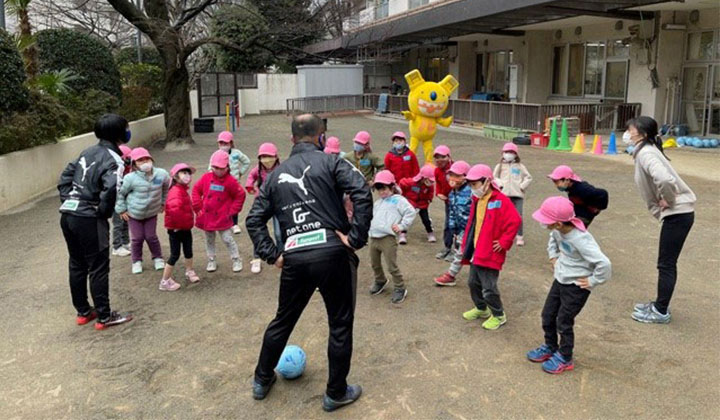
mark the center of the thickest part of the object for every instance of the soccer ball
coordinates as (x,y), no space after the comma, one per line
(292,362)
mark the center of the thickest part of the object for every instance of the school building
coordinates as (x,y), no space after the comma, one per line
(663,57)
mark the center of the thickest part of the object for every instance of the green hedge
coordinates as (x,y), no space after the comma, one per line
(128,55)
(14,96)
(86,56)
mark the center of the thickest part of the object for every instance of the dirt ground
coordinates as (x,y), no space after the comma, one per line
(191,354)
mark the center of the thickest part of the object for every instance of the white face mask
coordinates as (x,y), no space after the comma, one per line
(627,138)
(185,178)
(224,147)
(146,167)
(509,157)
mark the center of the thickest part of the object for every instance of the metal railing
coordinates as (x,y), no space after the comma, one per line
(593,117)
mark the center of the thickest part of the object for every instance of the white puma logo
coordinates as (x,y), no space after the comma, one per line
(85,168)
(291,179)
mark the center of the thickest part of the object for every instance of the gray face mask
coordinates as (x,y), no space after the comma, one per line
(358,147)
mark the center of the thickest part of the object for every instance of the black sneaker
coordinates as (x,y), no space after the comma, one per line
(398,295)
(442,254)
(351,395)
(260,391)
(377,288)
(115,318)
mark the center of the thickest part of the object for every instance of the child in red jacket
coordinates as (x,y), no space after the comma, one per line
(419,191)
(216,197)
(179,221)
(400,160)
(489,234)
(443,162)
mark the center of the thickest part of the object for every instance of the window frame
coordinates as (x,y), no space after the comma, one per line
(714,45)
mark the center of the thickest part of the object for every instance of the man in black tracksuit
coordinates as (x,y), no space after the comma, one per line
(88,187)
(305,194)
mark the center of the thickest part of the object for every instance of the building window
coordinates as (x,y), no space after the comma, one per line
(618,49)
(575,70)
(496,79)
(699,46)
(558,56)
(381,9)
(616,79)
(594,67)
(417,3)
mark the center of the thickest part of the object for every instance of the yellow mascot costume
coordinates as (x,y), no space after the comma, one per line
(427,102)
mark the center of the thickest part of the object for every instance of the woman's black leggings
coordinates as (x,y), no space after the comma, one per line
(178,239)
(674,231)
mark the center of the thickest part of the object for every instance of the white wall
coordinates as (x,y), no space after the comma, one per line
(22,181)
(194,110)
(270,95)
(329,80)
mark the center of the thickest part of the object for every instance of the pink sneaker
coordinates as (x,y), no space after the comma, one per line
(402,240)
(520,241)
(431,237)
(191,276)
(446,279)
(169,285)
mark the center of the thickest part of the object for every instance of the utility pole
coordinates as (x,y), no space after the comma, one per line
(139,36)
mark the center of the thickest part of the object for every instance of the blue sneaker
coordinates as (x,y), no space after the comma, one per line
(540,354)
(260,391)
(557,364)
(351,395)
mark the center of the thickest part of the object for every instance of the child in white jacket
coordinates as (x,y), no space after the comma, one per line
(513,179)
(392,214)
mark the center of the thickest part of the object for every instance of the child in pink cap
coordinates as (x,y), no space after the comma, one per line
(588,200)
(363,158)
(513,179)
(489,234)
(216,197)
(332,147)
(392,214)
(579,265)
(239,164)
(443,162)
(400,160)
(419,191)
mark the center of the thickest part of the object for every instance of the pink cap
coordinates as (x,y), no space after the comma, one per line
(267,149)
(558,209)
(480,171)
(225,137)
(399,134)
(179,167)
(460,167)
(427,171)
(126,151)
(442,150)
(139,153)
(220,159)
(564,172)
(362,137)
(332,145)
(384,177)
(510,147)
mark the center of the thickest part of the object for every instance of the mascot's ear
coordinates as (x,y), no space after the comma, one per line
(449,84)
(414,79)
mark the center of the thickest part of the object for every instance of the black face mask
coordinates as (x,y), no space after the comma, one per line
(126,162)
(321,141)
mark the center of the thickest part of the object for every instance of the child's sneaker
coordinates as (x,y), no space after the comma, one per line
(236,229)
(476,313)
(431,237)
(237,265)
(192,276)
(86,318)
(402,239)
(159,264)
(494,322)
(256,266)
(651,316)
(137,267)
(446,279)
(557,364)
(377,288)
(520,241)
(442,254)
(540,354)
(398,295)
(169,285)
(211,265)
(450,257)
(121,251)
(115,318)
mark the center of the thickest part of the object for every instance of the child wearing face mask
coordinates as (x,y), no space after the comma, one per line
(489,234)
(139,200)
(579,265)
(513,179)
(121,233)
(216,197)
(363,158)
(392,214)
(589,201)
(419,191)
(443,162)
(268,160)
(179,221)
(459,200)
(239,164)
(332,147)
(400,160)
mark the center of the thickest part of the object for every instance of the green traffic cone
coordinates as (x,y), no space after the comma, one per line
(553,136)
(564,138)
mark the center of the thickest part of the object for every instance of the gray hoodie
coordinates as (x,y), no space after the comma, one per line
(578,256)
(394,210)
(656,179)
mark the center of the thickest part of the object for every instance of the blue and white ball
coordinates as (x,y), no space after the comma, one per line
(697,143)
(706,143)
(714,143)
(292,362)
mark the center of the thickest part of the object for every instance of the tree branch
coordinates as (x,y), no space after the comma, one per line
(190,14)
(134,16)
(192,46)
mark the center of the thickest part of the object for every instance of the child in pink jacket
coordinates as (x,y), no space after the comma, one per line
(268,160)
(216,197)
